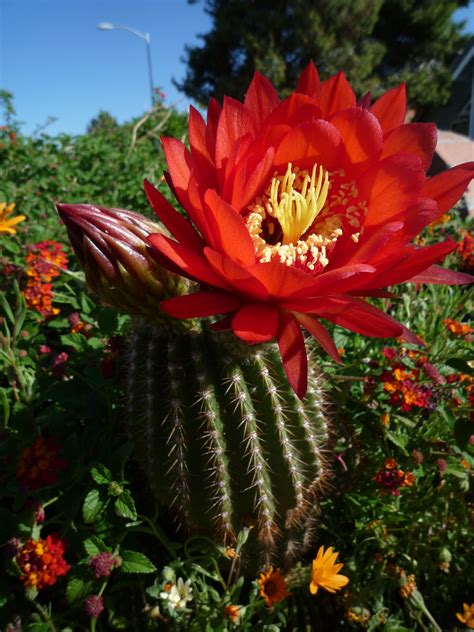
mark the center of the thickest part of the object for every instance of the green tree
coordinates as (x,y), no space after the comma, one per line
(102,123)
(378,43)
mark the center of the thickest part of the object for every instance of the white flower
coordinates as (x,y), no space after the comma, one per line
(178,594)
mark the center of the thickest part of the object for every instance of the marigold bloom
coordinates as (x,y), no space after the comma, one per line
(301,209)
(466,251)
(467,616)
(6,225)
(45,260)
(325,572)
(40,464)
(273,587)
(41,562)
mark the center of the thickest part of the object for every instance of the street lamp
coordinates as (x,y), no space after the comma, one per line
(107,26)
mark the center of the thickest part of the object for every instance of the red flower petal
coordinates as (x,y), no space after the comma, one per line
(361,134)
(416,138)
(336,94)
(228,229)
(203,164)
(309,82)
(261,98)
(190,263)
(179,161)
(391,188)
(213,115)
(255,323)
(308,143)
(200,304)
(282,281)
(447,187)
(235,121)
(321,334)
(236,275)
(442,276)
(391,108)
(178,226)
(246,186)
(293,353)
(365,319)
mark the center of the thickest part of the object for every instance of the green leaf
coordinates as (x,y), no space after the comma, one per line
(93,506)
(6,308)
(135,562)
(399,440)
(101,474)
(78,589)
(125,506)
(95,545)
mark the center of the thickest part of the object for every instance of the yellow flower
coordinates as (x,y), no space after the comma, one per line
(467,617)
(6,224)
(233,613)
(272,587)
(324,573)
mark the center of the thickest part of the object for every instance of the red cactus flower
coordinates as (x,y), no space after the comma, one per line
(300,209)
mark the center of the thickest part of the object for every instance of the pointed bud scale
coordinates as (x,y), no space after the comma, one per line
(111,247)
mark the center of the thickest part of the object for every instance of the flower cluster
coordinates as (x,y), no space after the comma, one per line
(41,562)
(103,563)
(39,465)
(457,328)
(93,606)
(45,260)
(391,479)
(177,595)
(411,380)
(6,224)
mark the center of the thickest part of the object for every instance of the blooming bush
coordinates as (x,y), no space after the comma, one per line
(85,545)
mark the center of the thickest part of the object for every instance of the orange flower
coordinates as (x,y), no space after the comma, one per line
(410,478)
(272,587)
(390,463)
(6,224)
(41,562)
(457,328)
(467,617)
(324,573)
(233,613)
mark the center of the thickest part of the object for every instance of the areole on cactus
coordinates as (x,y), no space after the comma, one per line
(295,211)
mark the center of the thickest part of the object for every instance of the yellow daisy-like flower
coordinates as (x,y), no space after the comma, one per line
(324,573)
(467,617)
(6,224)
(272,587)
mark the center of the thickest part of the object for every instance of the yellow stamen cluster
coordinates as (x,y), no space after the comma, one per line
(296,199)
(303,215)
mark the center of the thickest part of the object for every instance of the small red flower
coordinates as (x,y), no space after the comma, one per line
(41,562)
(298,210)
(40,464)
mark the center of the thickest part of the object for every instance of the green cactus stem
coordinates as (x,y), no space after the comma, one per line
(223,439)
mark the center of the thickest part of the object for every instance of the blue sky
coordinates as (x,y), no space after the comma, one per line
(57,63)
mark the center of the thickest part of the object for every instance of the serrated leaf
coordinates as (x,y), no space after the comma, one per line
(94,545)
(125,506)
(92,507)
(398,440)
(135,562)
(78,589)
(101,474)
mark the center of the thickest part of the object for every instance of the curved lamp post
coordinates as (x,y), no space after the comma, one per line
(107,26)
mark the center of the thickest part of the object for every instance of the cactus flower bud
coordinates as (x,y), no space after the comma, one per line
(111,247)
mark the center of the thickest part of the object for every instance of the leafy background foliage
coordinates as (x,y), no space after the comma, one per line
(100,502)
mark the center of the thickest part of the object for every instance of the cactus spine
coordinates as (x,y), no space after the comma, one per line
(223,439)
